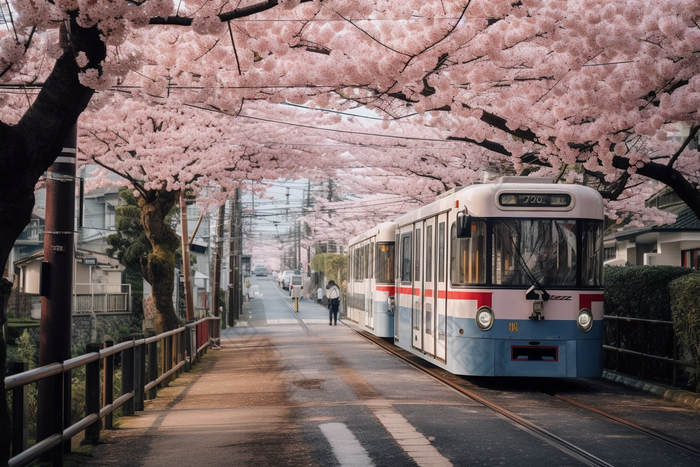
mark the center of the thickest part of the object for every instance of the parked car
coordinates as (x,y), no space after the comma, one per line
(284,277)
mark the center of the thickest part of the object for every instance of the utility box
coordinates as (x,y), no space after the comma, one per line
(295,286)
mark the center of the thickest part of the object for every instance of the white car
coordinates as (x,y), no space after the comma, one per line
(284,278)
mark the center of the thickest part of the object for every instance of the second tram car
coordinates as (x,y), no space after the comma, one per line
(371,280)
(500,279)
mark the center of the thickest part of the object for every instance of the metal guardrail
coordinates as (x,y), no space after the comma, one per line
(141,375)
(674,360)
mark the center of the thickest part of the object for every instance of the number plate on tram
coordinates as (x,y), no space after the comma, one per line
(555,200)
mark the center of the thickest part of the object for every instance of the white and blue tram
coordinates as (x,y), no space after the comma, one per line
(499,279)
(504,279)
(371,280)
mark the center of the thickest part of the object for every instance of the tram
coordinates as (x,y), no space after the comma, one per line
(371,280)
(503,279)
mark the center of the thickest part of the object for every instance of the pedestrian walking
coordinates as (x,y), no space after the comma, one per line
(333,295)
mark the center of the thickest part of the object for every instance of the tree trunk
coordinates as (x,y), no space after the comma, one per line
(159,266)
(28,149)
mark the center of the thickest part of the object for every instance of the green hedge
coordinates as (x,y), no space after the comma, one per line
(640,291)
(685,305)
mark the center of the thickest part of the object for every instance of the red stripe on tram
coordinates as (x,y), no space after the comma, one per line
(482,298)
(586,300)
(409,291)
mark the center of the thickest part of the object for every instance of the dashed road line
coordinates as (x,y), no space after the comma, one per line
(346,448)
(416,445)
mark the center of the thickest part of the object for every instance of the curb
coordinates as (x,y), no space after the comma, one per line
(678,396)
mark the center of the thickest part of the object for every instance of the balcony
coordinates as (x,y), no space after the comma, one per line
(94,298)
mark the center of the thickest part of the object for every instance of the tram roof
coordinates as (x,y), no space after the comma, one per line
(481,201)
(384,232)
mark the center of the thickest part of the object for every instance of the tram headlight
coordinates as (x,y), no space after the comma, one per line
(584,320)
(484,318)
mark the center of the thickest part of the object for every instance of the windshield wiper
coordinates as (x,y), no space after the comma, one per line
(531,293)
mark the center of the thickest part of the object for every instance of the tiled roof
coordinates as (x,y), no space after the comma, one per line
(686,220)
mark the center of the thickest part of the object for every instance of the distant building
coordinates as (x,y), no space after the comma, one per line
(677,244)
(99,218)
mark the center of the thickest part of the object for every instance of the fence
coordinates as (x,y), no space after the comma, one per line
(647,348)
(103,299)
(141,375)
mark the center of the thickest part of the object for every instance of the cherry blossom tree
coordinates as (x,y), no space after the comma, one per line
(159,151)
(575,88)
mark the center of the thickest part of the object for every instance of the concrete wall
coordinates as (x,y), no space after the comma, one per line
(88,328)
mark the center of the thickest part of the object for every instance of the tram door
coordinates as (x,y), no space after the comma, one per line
(417,302)
(429,290)
(441,287)
(369,285)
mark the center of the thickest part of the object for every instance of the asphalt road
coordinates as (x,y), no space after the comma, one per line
(281,394)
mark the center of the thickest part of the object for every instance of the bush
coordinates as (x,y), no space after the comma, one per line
(640,292)
(685,305)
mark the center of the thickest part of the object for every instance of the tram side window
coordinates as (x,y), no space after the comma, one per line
(592,243)
(468,255)
(366,258)
(384,273)
(397,263)
(429,253)
(416,275)
(406,258)
(356,264)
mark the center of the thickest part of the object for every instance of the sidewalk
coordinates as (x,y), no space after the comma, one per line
(668,393)
(208,414)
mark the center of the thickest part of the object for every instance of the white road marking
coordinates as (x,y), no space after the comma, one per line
(346,448)
(416,445)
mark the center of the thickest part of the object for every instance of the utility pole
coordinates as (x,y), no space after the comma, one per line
(235,290)
(238,244)
(189,302)
(57,292)
(217,260)
(231,264)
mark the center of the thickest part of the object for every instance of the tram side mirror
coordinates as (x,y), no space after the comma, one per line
(464,225)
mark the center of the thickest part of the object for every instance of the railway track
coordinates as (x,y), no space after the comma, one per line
(291,308)
(574,451)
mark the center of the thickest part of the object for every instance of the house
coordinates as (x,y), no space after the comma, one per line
(98,218)
(29,241)
(677,244)
(97,286)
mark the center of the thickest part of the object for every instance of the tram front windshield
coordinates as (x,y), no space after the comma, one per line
(550,252)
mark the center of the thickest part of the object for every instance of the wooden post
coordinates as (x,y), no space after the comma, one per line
(128,379)
(20,429)
(92,395)
(139,375)
(152,367)
(108,386)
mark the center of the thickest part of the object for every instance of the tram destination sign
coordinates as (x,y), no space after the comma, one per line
(553,200)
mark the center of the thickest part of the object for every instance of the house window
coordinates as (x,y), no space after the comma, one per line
(609,253)
(691,258)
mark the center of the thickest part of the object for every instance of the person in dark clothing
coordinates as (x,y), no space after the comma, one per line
(333,295)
